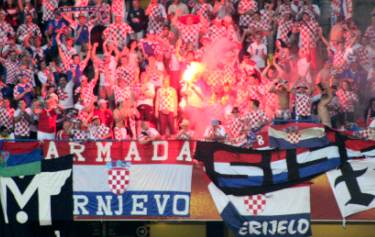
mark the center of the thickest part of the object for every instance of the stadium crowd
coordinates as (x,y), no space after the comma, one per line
(217,70)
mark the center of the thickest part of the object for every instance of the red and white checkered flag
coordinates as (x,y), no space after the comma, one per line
(255,204)
(118,180)
(294,137)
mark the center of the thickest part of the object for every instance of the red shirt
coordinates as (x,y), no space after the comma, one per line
(47,121)
(105,116)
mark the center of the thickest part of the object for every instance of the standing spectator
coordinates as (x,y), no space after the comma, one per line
(22,121)
(47,119)
(6,114)
(202,9)
(6,30)
(48,10)
(255,118)
(246,8)
(137,20)
(302,101)
(23,90)
(258,51)
(157,17)
(28,29)
(117,32)
(177,9)
(65,93)
(323,110)
(166,107)
(348,100)
(148,133)
(235,128)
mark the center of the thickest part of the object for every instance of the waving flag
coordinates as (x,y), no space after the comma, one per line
(20,159)
(295,135)
(281,213)
(354,186)
(241,171)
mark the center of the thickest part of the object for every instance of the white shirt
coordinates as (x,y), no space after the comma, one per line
(255,50)
(68,102)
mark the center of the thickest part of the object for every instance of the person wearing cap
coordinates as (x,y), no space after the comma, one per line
(23,90)
(185,132)
(104,113)
(97,130)
(215,132)
(28,29)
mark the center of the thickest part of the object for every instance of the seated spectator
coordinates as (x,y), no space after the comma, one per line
(185,132)
(148,133)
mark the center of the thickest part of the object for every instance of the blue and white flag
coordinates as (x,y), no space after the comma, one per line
(281,213)
(143,185)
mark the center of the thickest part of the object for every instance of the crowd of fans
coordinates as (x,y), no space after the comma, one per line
(98,70)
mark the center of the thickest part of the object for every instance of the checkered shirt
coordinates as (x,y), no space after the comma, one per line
(48,8)
(214,32)
(156,46)
(234,127)
(120,133)
(23,87)
(12,69)
(99,132)
(370,35)
(362,55)
(284,27)
(254,119)
(189,33)
(102,15)
(26,72)
(303,104)
(258,25)
(156,20)
(126,73)
(87,93)
(308,34)
(204,10)
(167,99)
(22,128)
(267,16)
(244,6)
(26,29)
(78,134)
(68,53)
(118,32)
(5,30)
(338,61)
(347,100)
(214,78)
(6,118)
(122,94)
(118,8)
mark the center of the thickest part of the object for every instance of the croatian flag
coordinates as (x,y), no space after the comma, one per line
(148,181)
(295,135)
(281,213)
